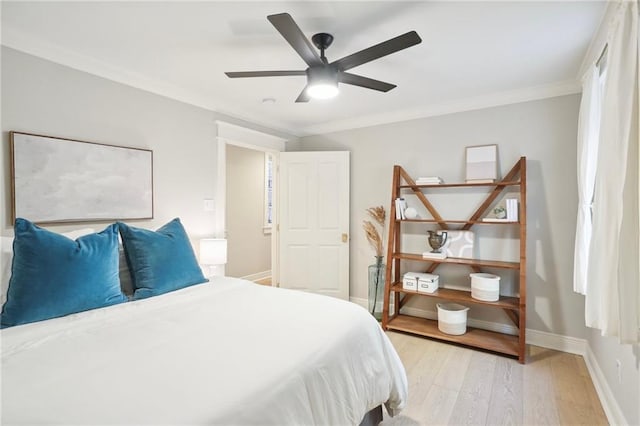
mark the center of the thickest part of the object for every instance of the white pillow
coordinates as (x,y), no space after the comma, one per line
(6,258)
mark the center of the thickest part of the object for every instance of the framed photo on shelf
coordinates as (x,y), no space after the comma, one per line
(482,163)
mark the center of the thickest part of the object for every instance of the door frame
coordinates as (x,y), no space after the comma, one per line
(232,134)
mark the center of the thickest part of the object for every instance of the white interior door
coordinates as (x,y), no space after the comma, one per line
(314,222)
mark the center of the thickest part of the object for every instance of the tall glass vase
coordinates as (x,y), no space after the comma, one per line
(376,287)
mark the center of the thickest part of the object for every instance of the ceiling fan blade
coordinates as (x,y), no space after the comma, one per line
(379,50)
(303,96)
(369,83)
(286,26)
(242,74)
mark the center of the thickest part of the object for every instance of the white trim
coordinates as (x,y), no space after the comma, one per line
(18,40)
(608,401)
(257,276)
(220,197)
(231,134)
(557,342)
(359,301)
(249,138)
(269,165)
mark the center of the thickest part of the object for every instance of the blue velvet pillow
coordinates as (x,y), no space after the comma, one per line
(53,276)
(160,261)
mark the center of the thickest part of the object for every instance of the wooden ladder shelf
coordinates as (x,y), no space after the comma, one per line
(514,307)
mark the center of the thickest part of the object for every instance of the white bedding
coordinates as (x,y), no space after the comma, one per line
(227,352)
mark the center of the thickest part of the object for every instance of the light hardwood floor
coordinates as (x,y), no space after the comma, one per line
(453,385)
(264,281)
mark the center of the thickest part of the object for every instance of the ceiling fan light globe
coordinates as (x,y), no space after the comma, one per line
(323,90)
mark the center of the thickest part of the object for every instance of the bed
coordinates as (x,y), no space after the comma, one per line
(227,352)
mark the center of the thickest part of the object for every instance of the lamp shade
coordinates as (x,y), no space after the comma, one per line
(213,251)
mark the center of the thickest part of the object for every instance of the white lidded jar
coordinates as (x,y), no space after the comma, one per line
(452,318)
(485,287)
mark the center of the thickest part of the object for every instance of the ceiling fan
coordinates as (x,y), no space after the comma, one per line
(322,76)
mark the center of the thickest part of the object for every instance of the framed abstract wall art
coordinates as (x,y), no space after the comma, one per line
(57,180)
(482,163)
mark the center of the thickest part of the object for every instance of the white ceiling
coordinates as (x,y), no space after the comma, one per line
(473,54)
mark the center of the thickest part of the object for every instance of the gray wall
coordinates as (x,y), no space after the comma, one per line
(249,247)
(39,96)
(45,98)
(543,131)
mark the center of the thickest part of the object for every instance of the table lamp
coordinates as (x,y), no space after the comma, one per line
(213,255)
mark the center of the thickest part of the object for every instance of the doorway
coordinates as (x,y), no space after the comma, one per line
(249,213)
(230,137)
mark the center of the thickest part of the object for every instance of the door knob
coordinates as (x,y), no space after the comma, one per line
(345,237)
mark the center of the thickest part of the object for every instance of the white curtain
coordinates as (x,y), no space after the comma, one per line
(588,131)
(609,286)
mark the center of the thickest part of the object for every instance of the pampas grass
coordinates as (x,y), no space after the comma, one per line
(371,232)
(378,214)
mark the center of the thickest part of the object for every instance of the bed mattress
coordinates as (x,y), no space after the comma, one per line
(225,352)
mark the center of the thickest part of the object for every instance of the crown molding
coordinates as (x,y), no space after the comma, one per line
(18,40)
(527,94)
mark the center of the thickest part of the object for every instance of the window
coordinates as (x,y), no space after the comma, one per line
(268,192)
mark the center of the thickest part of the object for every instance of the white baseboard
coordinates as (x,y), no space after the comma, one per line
(360,301)
(557,342)
(257,276)
(547,340)
(609,404)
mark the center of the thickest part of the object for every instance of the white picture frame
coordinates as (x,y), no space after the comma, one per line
(482,163)
(56,180)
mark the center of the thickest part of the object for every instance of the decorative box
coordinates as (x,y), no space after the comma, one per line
(420,281)
(410,281)
(428,283)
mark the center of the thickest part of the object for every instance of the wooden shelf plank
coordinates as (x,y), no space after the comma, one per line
(475,337)
(460,261)
(462,296)
(464,222)
(462,185)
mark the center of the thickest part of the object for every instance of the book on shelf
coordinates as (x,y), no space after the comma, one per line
(512,209)
(430,180)
(401,206)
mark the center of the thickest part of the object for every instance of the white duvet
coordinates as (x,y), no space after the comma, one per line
(227,353)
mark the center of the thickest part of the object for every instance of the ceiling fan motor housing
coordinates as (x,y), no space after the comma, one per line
(322,40)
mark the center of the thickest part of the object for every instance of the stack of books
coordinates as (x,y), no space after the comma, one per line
(401,206)
(429,180)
